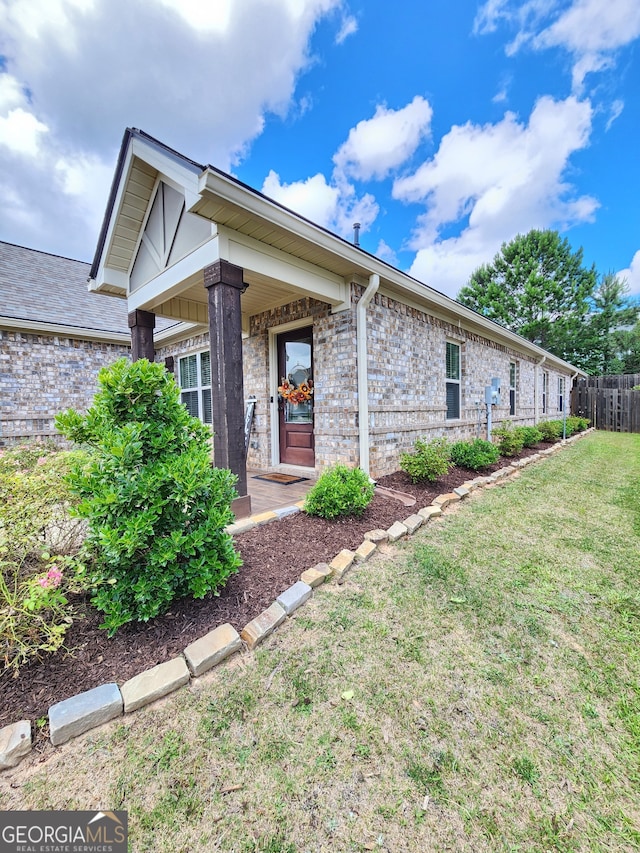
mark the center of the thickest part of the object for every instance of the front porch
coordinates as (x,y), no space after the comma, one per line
(270,496)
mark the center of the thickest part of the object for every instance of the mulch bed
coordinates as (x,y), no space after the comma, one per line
(274,556)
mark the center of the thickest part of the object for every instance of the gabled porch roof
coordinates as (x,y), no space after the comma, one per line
(283,255)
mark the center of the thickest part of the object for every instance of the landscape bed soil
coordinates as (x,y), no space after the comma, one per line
(274,556)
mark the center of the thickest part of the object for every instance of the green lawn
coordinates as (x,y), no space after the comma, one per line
(476,688)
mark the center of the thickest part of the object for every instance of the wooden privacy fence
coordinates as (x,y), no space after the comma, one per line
(608,401)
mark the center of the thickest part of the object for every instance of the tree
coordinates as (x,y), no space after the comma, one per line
(538,287)
(627,342)
(610,314)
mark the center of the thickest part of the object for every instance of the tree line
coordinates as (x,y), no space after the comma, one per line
(541,289)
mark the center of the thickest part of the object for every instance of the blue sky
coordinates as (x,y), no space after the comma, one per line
(443,132)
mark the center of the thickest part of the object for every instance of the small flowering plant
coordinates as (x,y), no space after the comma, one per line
(43,591)
(295,394)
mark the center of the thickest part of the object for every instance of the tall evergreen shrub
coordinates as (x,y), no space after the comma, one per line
(155,507)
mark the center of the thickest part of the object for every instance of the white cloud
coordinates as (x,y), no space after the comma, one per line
(199,76)
(348,27)
(386,253)
(591,30)
(615,111)
(21,132)
(632,274)
(495,181)
(335,207)
(313,198)
(488,15)
(377,146)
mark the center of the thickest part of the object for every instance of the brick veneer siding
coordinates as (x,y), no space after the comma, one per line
(406,380)
(41,375)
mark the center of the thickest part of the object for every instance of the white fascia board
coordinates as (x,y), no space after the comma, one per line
(77,332)
(365,264)
(181,176)
(175,279)
(303,277)
(264,208)
(180,332)
(110,281)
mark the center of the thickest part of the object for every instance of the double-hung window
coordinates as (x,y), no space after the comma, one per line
(194,375)
(453,380)
(561,393)
(513,372)
(545,392)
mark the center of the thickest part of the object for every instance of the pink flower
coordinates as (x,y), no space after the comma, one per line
(53,578)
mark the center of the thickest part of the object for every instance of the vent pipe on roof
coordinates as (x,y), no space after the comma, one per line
(356,234)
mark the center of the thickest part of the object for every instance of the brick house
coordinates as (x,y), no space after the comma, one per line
(347,357)
(54,337)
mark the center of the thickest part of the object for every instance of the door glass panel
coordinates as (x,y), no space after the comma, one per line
(296,388)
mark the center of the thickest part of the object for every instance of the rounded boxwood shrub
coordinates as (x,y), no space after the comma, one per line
(530,435)
(430,460)
(340,491)
(155,507)
(475,454)
(551,430)
(508,439)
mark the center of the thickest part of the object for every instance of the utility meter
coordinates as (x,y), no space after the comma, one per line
(492,392)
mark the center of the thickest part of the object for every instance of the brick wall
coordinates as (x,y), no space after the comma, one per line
(41,375)
(406,380)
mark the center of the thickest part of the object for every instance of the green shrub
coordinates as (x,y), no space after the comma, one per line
(575,423)
(551,430)
(430,460)
(509,440)
(156,509)
(476,454)
(37,541)
(530,435)
(340,491)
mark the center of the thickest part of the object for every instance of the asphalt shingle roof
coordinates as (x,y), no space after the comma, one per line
(46,288)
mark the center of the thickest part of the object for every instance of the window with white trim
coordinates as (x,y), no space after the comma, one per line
(194,378)
(453,380)
(561,393)
(545,392)
(513,373)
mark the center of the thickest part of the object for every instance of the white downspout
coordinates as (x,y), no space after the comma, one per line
(536,391)
(363,373)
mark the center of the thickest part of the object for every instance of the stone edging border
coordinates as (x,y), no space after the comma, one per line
(85,711)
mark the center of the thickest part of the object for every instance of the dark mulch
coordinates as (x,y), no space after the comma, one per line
(274,556)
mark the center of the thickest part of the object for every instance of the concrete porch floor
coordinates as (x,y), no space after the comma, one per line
(267,496)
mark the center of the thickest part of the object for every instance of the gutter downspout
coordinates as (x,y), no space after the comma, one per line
(363,373)
(536,391)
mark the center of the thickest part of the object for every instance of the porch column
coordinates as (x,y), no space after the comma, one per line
(224,282)
(142,324)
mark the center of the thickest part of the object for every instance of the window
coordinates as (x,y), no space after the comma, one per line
(561,393)
(545,392)
(194,377)
(453,380)
(512,387)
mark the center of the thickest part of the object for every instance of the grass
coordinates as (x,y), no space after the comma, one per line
(474,689)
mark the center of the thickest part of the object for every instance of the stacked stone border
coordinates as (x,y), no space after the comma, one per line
(85,711)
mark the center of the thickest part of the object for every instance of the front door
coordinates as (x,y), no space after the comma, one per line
(295,397)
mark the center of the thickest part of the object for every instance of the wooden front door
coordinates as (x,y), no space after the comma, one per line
(295,397)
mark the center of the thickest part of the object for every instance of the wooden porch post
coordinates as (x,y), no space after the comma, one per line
(142,324)
(224,283)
